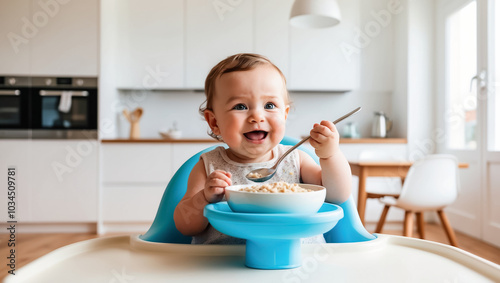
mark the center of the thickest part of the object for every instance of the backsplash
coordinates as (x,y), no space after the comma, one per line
(163,108)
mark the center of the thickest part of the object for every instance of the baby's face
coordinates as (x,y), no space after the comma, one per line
(250,109)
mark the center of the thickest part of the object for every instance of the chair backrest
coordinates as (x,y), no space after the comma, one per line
(163,230)
(431,183)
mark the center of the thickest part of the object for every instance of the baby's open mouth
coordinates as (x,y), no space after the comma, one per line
(256,135)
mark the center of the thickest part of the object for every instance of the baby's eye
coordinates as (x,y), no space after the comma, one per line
(270,105)
(240,107)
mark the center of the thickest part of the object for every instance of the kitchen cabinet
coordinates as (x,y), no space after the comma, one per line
(272,32)
(56,38)
(16,154)
(136,163)
(68,44)
(149,44)
(320,59)
(215,30)
(181,152)
(57,180)
(174,45)
(135,175)
(64,181)
(14,50)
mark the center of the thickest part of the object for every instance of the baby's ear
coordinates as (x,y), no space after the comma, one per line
(212,121)
(287,109)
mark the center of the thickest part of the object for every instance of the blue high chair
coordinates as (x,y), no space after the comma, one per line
(163,230)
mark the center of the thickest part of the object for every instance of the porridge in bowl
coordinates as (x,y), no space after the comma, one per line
(279,187)
(277,197)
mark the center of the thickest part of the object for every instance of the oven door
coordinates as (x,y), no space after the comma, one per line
(14,112)
(64,113)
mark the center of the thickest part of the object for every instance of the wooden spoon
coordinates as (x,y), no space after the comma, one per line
(136,114)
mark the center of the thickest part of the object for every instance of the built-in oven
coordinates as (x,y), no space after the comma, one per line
(15,116)
(64,108)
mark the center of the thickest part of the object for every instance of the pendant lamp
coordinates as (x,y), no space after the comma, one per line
(315,13)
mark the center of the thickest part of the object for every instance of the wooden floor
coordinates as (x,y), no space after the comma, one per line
(32,246)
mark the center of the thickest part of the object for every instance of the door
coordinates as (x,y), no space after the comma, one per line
(468,125)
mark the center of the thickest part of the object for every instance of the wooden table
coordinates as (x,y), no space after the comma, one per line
(365,169)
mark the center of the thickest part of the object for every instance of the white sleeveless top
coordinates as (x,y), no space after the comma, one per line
(217,159)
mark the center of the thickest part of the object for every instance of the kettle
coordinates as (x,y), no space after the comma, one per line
(381,125)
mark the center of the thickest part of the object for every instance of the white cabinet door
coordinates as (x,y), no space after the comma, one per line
(181,152)
(134,177)
(16,154)
(64,181)
(136,163)
(317,59)
(131,203)
(149,44)
(16,36)
(66,39)
(214,31)
(272,31)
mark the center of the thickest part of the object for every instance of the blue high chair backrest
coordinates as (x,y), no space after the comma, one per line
(163,230)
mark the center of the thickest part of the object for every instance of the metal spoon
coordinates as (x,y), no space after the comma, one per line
(264,174)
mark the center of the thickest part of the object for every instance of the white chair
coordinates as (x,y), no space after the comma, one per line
(431,184)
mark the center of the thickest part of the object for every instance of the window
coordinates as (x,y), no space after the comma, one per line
(461,65)
(494,85)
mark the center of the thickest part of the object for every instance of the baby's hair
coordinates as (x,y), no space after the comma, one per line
(234,63)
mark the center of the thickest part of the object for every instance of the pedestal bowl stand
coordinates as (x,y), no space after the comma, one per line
(273,240)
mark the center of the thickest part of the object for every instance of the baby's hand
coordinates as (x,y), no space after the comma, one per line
(215,185)
(325,139)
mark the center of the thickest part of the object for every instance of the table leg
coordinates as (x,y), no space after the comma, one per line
(362,195)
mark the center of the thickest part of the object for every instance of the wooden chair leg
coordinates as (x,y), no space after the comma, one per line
(381,221)
(408,226)
(421,224)
(447,228)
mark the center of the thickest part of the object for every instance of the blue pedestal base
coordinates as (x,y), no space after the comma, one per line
(273,240)
(273,254)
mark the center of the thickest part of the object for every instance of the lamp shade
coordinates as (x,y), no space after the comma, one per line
(315,13)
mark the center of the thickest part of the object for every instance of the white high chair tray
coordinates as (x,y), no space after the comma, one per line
(129,259)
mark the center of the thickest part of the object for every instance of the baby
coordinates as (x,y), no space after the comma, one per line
(247,106)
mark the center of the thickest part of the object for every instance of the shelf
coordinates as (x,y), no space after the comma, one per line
(374,140)
(195,140)
(158,140)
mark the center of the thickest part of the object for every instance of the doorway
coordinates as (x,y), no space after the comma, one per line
(468,112)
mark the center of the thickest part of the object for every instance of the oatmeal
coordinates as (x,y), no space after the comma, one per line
(254,175)
(279,187)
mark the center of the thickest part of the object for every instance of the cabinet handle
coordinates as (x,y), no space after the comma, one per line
(59,93)
(10,92)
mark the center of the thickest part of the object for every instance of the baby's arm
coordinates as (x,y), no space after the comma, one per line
(334,173)
(201,190)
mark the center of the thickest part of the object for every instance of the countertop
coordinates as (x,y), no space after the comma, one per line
(200,140)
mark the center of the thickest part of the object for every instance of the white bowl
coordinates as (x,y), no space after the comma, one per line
(299,203)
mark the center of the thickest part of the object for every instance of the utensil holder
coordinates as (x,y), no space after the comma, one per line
(135,132)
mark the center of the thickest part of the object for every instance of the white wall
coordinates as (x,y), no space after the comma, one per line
(399,97)
(421,49)
(414,76)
